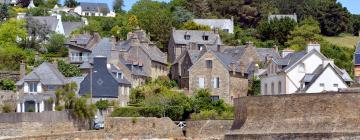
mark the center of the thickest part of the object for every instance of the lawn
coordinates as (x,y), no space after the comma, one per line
(346,40)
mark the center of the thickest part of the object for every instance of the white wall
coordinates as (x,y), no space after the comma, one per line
(273,79)
(328,78)
(78,10)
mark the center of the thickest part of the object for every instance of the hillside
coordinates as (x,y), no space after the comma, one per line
(346,40)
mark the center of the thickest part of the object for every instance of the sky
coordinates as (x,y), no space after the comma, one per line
(351,5)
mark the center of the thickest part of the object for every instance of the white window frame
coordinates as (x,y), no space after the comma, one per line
(201,83)
(216,82)
(33,87)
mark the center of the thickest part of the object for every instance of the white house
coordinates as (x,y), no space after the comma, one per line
(93,9)
(307,71)
(227,25)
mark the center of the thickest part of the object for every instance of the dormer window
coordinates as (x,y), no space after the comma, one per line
(187,37)
(33,87)
(205,37)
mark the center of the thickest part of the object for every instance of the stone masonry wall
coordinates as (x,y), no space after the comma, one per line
(208,129)
(13,75)
(30,124)
(297,116)
(144,128)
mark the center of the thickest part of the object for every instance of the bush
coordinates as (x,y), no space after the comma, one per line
(6,108)
(102,104)
(137,112)
(212,115)
(59,108)
(7,84)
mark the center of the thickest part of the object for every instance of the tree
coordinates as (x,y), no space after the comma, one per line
(7,84)
(190,25)
(11,32)
(355,24)
(181,15)
(71,3)
(102,104)
(68,70)
(155,18)
(199,7)
(11,57)
(277,29)
(38,32)
(39,3)
(52,3)
(55,44)
(307,31)
(117,6)
(4,12)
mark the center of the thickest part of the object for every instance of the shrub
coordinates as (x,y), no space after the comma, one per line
(7,84)
(6,108)
(137,112)
(59,108)
(102,104)
(212,115)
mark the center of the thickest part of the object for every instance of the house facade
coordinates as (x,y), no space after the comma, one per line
(223,75)
(357,63)
(226,25)
(80,47)
(106,81)
(54,23)
(37,88)
(307,71)
(182,40)
(93,9)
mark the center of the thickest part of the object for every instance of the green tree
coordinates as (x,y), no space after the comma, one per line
(117,6)
(190,25)
(55,44)
(307,31)
(52,3)
(277,29)
(11,31)
(7,84)
(199,7)
(38,32)
(155,18)
(102,104)
(181,15)
(68,70)
(38,11)
(4,12)
(11,57)
(71,3)
(355,25)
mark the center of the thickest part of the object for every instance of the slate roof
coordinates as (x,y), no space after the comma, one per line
(357,55)
(216,23)
(262,53)
(293,17)
(227,61)
(81,39)
(290,59)
(69,27)
(155,53)
(95,7)
(195,36)
(103,48)
(50,21)
(46,73)
(122,80)
(135,69)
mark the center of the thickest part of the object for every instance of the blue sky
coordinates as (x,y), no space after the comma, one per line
(351,5)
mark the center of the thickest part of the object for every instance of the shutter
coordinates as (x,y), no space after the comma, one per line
(26,87)
(201,82)
(39,89)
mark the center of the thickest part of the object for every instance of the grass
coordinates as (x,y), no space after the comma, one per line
(346,40)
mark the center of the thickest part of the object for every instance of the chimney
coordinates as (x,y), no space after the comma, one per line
(113,39)
(242,68)
(248,43)
(276,48)
(313,46)
(22,69)
(97,37)
(193,46)
(286,52)
(233,67)
(327,62)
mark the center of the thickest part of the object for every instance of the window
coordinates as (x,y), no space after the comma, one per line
(215,98)
(265,89)
(187,37)
(336,85)
(272,89)
(279,87)
(200,47)
(302,68)
(216,82)
(118,75)
(33,87)
(201,83)
(208,63)
(205,37)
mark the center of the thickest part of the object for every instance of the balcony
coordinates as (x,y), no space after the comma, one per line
(79,59)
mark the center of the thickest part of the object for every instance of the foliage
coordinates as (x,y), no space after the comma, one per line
(307,31)
(276,29)
(102,104)
(71,3)
(190,25)
(212,115)
(7,84)
(82,110)
(55,45)
(154,17)
(37,11)
(117,6)
(255,88)
(181,15)
(68,70)
(59,108)
(37,32)
(6,108)
(4,12)
(11,32)
(11,57)
(137,112)
(69,18)
(355,24)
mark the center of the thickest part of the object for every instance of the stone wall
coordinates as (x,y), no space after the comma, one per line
(144,128)
(32,124)
(208,129)
(303,116)
(12,75)
(8,97)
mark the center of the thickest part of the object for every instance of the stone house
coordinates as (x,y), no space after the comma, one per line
(182,40)
(223,75)
(226,25)
(357,63)
(106,81)
(80,47)
(307,71)
(141,57)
